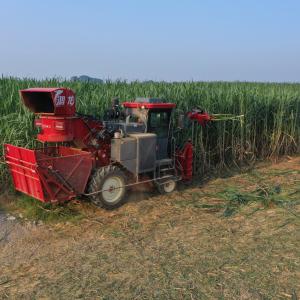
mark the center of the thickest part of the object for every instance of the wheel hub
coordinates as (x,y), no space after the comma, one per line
(169,186)
(112,189)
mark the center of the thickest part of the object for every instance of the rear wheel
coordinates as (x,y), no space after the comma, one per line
(167,187)
(108,184)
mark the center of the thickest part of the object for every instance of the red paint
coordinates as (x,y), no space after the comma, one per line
(52,174)
(50,101)
(57,173)
(201,117)
(55,129)
(148,105)
(185,161)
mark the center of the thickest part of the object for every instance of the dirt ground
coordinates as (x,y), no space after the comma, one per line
(228,238)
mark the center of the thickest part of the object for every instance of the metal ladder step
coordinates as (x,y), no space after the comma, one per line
(166,169)
(163,162)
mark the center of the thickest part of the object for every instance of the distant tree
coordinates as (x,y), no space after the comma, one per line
(85,78)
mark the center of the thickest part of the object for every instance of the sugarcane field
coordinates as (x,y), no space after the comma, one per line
(174,176)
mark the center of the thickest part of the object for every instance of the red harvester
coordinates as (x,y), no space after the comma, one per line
(81,155)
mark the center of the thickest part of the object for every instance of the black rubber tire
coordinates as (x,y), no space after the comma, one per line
(162,187)
(97,180)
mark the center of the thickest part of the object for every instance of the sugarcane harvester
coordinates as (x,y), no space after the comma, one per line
(81,155)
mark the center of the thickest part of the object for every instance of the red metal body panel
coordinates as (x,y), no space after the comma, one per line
(185,161)
(51,174)
(84,131)
(148,105)
(53,101)
(68,129)
(55,129)
(22,164)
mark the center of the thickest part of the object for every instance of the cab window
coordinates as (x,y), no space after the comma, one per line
(159,123)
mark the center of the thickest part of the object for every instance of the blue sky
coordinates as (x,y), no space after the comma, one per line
(152,40)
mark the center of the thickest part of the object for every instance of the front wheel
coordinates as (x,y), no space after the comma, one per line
(109,187)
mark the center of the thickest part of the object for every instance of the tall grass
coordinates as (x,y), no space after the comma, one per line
(270,128)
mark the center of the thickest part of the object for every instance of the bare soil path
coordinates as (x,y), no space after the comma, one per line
(233,238)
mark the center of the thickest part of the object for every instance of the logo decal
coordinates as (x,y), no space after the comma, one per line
(59,99)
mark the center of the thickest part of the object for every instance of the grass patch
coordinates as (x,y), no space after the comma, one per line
(35,210)
(266,195)
(232,199)
(275,172)
(117,233)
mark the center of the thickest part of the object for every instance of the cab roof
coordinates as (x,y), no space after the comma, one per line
(41,90)
(148,103)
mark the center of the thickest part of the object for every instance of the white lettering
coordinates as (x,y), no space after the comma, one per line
(59,99)
(71,100)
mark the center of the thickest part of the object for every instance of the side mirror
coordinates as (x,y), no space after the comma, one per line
(180,121)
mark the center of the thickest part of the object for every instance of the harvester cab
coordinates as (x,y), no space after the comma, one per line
(101,159)
(155,114)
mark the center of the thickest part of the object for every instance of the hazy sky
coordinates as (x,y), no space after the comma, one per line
(252,40)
